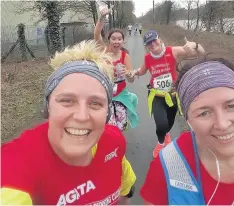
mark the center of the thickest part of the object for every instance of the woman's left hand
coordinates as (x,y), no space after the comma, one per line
(124,71)
(189,46)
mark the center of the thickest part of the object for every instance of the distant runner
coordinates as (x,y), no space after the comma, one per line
(130,29)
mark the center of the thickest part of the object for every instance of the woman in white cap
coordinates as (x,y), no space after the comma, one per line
(74,157)
(198,167)
(161,61)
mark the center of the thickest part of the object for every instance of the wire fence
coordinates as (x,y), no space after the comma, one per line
(36,40)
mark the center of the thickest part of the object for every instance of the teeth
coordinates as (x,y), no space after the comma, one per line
(77,131)
(227,137)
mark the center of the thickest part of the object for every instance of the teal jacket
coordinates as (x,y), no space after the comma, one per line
(129,100)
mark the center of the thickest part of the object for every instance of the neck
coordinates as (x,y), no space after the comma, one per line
(158,55)
(225,164)
(206,151)
(157,52)
(82,161)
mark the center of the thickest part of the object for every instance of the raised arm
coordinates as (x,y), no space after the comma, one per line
(190,49)
(99,26)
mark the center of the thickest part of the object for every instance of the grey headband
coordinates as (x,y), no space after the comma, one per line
(202,77)
(81,66)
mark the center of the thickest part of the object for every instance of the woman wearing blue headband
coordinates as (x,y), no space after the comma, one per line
(198,167)
(74,157)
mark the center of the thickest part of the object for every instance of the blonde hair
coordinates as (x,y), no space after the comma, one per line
(85,50)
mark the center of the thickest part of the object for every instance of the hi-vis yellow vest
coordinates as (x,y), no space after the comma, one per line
(168,99)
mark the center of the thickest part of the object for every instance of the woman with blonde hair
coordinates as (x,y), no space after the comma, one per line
(124,102)
(68,159)
(160,61)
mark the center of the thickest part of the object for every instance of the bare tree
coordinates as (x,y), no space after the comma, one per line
(50,11)
(166,12)
(175,7)
(85,7)
(198,14)
(214,14)
(123,13)
(188,6)
(163,13)
(221,11)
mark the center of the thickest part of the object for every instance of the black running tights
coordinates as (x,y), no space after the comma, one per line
(164,117)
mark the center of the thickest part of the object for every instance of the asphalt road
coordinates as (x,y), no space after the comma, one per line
(141,140)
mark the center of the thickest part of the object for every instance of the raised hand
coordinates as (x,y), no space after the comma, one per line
(189,46)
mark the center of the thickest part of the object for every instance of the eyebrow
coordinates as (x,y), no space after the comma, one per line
(65,94)
(100,97)
(69,94)
(229,101)
(117,36)
(202,108)
(205,107)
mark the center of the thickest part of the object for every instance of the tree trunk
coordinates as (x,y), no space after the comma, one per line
(221,25)
(94,11)
(117,14)
(47,39)
(53,26)
(188,26)
(113,18)
(110,16)
(169,7)
(198,16)
(22,41)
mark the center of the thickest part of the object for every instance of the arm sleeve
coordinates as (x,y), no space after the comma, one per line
(154,190)
(128,177)
(11,196)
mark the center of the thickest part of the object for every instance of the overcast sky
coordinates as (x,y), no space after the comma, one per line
(142,6)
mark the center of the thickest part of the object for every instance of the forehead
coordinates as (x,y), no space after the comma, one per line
(117,35)
(213,98)
(80,85)
(155,41)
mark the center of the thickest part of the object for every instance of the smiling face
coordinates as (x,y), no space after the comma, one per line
(211,116)
(155,46)
(116,41)
(77,115)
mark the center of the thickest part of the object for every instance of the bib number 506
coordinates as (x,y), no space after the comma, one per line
(164,84)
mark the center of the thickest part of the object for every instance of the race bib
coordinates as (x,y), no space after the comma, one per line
(163,82)
(118,72)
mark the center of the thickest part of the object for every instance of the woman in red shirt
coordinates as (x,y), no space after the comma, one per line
(198,167)
(161,62)
(74,157)
(124,102)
